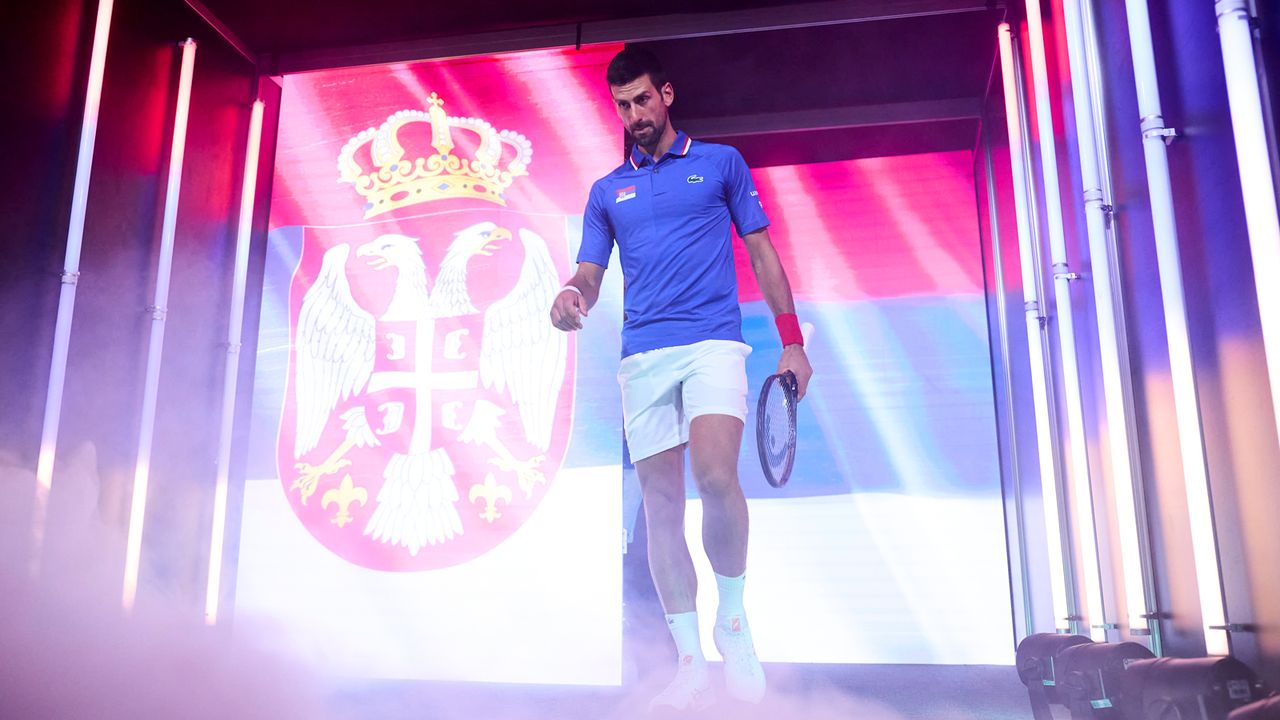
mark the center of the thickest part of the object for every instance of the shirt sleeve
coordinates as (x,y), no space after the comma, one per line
(597,233)
(740,190)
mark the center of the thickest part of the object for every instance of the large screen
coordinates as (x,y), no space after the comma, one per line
(435,473)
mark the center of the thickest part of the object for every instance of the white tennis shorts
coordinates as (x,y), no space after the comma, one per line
(664,390)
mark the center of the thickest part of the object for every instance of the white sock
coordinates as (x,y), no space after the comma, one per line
(730,596)
(684,630)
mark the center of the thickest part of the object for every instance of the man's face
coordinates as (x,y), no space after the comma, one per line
(643,109)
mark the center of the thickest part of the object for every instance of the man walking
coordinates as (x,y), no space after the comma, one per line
(683,372)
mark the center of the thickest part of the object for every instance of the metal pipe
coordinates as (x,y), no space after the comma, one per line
(158,309)
(1073,621)
(1182,371)
(70,276)
(1085,529)
(1256,181)
(1006,370)
(1098,92)
(1137,603)
(235,325)
(1061,587)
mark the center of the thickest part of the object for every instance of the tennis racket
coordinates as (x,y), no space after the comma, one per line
(776,427)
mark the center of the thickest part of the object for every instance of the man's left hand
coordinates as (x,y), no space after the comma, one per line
(794,359)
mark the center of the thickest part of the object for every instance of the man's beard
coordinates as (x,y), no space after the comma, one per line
(646,135)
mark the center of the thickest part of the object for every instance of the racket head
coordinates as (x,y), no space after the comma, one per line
(776,428)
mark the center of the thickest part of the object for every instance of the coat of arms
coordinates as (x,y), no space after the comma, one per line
(429,398)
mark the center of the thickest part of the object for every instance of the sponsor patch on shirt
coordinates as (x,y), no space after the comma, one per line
(625,193)
(694,179)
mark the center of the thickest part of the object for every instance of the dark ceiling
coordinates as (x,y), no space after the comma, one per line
(784,81)
(281,26)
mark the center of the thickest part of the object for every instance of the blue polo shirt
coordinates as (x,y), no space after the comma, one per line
(671,220)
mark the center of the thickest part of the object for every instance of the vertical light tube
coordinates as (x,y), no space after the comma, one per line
(1137,607)
(1186,403)
(70,275)
(248,188)
(1111,254)
(1002,326)
(1256,180)
(1062,276)
(1059,584)
(159,308)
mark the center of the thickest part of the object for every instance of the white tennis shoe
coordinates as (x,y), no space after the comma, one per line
(690,690)
(743,676)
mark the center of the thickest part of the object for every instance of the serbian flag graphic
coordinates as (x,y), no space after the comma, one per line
(414,411)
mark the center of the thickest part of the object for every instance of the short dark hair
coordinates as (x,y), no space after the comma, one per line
(633,62)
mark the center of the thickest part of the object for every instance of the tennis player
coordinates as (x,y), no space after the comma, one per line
(683,371)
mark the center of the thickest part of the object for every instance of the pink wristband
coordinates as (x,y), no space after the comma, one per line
(789,329)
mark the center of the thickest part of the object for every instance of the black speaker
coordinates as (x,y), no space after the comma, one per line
(1091,679)
(1268,709)
(1190,688)
(1037,668)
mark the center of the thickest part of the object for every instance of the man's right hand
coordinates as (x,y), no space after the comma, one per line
(568,310)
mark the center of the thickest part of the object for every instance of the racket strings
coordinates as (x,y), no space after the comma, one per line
(778,427)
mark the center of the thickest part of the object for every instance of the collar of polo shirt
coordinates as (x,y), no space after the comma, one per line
(679,147)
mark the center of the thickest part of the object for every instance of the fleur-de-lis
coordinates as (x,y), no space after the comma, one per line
(492,492)
(345,494)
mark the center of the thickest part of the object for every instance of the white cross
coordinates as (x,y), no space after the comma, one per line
(422,381)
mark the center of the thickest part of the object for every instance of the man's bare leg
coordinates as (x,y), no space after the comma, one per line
(714,442)
(662,482)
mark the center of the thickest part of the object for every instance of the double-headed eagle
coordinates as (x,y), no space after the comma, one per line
(521,356)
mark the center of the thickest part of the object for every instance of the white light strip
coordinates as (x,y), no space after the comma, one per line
(1097,90)
(142,470)
(1085,529)
(1035,338)
(70,275)
(1006,372)
(248,195)
(1136,603)
(1186,403)
(1256,181)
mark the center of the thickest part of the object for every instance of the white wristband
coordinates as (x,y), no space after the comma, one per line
(573,288)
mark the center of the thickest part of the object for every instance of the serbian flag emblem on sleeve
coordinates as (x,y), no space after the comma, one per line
(625,193)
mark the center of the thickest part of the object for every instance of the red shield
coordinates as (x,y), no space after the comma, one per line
(432,407)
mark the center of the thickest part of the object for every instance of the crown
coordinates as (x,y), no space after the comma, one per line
(399,178)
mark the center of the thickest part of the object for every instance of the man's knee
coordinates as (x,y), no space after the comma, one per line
(716,480)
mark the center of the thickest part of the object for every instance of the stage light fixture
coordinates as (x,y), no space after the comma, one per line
(1261,216)
(1091,678)
(248,194)
(1002,335)
(1119,426)
(1084,527)
(1037,663)
(1061,587)
(1267,709)
(1189,688)
(1181,367)
(70,276)
(159,311)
